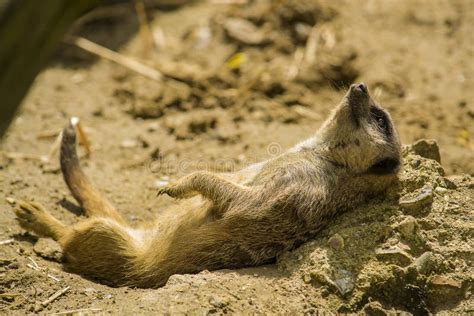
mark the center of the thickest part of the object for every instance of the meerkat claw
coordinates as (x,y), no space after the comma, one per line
(176,192)
(169,190)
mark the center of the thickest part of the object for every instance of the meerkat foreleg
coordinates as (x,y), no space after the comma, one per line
(211,186)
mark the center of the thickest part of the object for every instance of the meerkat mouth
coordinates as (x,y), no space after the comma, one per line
(385,166)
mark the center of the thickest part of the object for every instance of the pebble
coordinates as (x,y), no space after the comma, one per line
(394,255)
(344,281)
(428,263)
(443,289)
(10,200)
(408,227)
(306,278)
(244,32)
(129,143)
(415,205)
(217,302)
(336,242)
(441,190)
(427,148)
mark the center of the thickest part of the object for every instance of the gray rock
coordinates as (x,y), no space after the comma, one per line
(344,281)
(428,263)
(427,148)
(416,205)
(443,289)
(394,255)
(336,242)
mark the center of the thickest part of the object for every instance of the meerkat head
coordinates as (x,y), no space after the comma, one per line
(359,136)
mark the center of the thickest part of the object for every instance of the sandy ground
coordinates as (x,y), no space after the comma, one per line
(241,84)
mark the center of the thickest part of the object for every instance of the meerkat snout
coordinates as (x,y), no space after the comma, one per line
(360,87)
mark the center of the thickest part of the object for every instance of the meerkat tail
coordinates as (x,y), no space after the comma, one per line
(92,201)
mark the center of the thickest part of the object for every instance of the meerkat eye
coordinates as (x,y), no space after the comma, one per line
(380,118)
(382,123)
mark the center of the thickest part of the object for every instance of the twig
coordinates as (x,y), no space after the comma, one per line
(74,311)
(32,267)
(17,155)
(6,242)
(53,277)
(83,139)
(295,66)
(122,60)
(36,266)
(145,32)
(55,296)
(311,46)
(48,134)
(54,148)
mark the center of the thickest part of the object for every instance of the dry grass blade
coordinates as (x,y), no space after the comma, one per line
(311,46)
(54,148)
(55,296)
(115,57)
(145,32)
(83,139)
(6,242)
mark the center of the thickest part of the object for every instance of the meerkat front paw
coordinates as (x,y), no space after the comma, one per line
(175,191)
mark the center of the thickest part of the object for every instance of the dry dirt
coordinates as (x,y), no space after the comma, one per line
(243,83)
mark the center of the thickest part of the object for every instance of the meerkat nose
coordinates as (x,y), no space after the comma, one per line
(360,87)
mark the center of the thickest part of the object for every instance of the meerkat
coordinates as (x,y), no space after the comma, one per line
(229,220)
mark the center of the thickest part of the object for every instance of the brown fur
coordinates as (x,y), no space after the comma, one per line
(230,220)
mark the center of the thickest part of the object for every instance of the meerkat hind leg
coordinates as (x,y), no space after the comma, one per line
(33,217)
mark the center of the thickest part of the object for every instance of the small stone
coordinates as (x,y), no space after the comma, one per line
(306,278)
(129,143)
(415,163)
(450,182)
(443,289)
(428,263)
(217,302)
(394,255)
(441,190)
(374,309)
(14,265)
(323,279)
(48,249)
(38,307)
(89,291)
(408,227)
(344,281)
(10,200)
(427,148)
(421,201)
(244,32)
(336,242)
(441,280)
(6,261)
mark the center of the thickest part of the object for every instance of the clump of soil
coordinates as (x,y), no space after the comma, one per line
(392,254)
(242,83)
